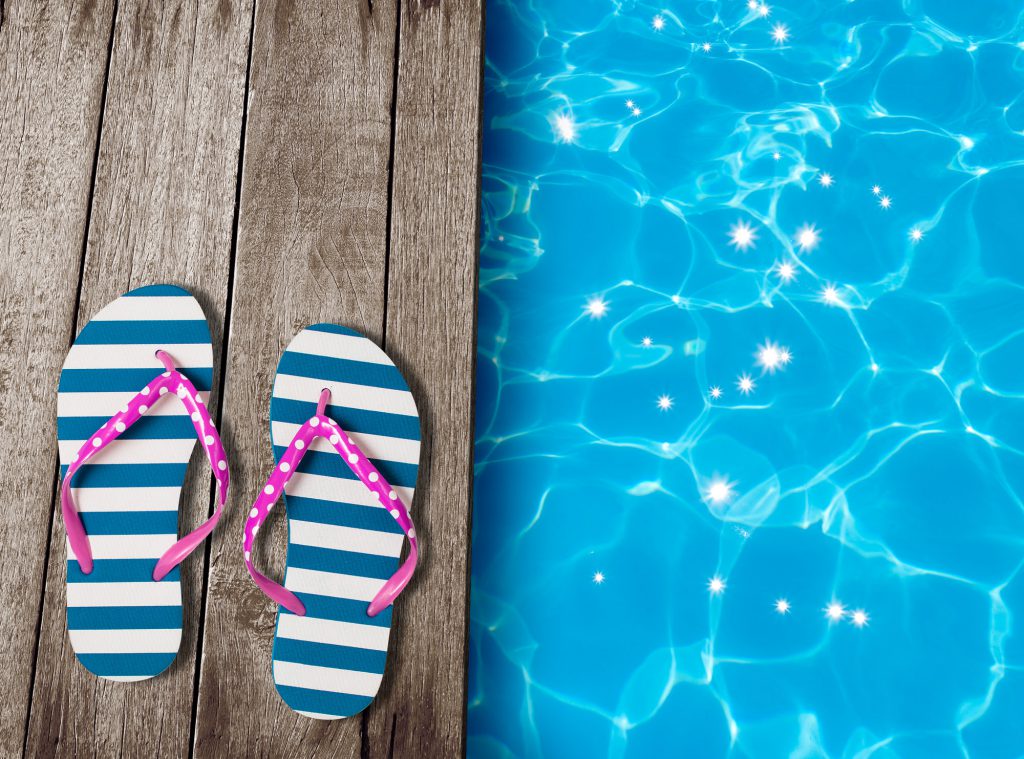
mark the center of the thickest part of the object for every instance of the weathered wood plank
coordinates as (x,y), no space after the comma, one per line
(430,330)
(53,57)
(162,211)
(311,247)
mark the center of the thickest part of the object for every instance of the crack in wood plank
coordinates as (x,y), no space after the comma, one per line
(431,333)
(160,211)
(311,245)
(52,59)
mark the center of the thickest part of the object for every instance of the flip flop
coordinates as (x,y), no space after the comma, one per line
(344,425)
(123,454)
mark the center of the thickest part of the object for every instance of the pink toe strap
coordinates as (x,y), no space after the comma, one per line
(325,427)
(171,381)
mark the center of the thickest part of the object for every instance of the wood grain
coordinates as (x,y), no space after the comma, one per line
(430,332)
(162,211)
(53,58)
(311,247)
(357,204)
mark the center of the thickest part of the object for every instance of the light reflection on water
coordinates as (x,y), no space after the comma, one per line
(750,406)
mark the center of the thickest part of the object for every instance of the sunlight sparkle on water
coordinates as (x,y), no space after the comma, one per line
(565,127)
(782,606)
(716,586)
(835,611)
(719,491)
(916,234)
(808,237)
(658,22)
(859,618)
(596,307)
(742,236)
(664,402)
(771,356)
(830,295)
(598,578)
(826,180)
(785,271)
(646,342)
(780,33)
(746,384)
(885,203)
(715,392)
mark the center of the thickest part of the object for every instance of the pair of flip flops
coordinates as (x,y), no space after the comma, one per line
(346,438)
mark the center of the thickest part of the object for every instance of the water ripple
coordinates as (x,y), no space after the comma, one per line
(750,408)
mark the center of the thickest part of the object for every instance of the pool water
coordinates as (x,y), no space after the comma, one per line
(750,405)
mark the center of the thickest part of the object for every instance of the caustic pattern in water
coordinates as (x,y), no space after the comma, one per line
(750,421)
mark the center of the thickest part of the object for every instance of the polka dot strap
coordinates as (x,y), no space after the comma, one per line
(113,428)
(325,427)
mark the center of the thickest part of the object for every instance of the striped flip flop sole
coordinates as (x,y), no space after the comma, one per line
(122,624)
(342,543)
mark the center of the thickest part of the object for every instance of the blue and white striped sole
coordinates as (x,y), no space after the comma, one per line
(342,543)
(122,624)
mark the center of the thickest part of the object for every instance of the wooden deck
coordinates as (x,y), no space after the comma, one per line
(289,162)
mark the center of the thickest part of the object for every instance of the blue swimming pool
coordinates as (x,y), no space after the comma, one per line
(750,407)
